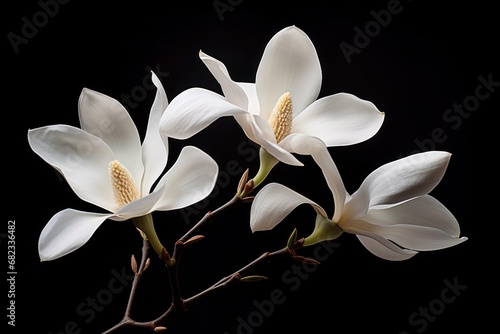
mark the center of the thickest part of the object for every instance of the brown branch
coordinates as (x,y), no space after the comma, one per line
(236,277)
(127,320)
(210,217)
(178,304)
(143,265)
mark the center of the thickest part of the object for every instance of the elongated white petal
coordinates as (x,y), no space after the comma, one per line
(421,211)
(273,203)
(193,110)
(255,128)
(382,246)
(281,154)
(189,180)
(289,64)
(106,118)
(420,224)
(384,252)
(400,180)
(303,144)
(154,149)
(67,231)
(231,90)
(259,131)
(251,92)
(82,159)
(339,119)
(418,238)
(139,207)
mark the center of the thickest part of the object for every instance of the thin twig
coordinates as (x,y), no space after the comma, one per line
(210,216)
(221,284)
(178,304)
(127,318)
(137,277)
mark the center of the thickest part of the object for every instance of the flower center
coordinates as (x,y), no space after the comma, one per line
(123,184)
(281,117)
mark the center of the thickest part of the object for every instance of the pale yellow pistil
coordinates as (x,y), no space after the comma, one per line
(281,117)
(281,122)
(125,191)
(123,184)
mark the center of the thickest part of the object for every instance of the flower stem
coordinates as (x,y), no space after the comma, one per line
(145,224)
(267,162)
(324,229)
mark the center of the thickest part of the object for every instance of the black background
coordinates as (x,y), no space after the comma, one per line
(425,60)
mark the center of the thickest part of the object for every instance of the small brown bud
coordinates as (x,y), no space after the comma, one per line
(253,278)
(146,265)
(160,329)
(143,235)
(166,258)
(133,264)
(297,244)
(242,182)
(306,260)
(248,188)
(194,239)
(292,239)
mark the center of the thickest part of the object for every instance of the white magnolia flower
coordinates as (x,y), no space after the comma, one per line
(391,213)
(105,164)
(279,105)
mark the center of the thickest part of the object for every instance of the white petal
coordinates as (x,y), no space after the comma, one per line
(189,180)
(420,238)
(193,110)
(421,211)
(107,119)
(303,144)
(289,64)
(140,207)
(154,149)
(421,224)
(259,131)
(251,93)
(231,90)
(382,251)
(273,203)
(399,180)
(67,231)
(417,238)
(255,128)
(339,119)
(281,154)
(379,245)
(82,159)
